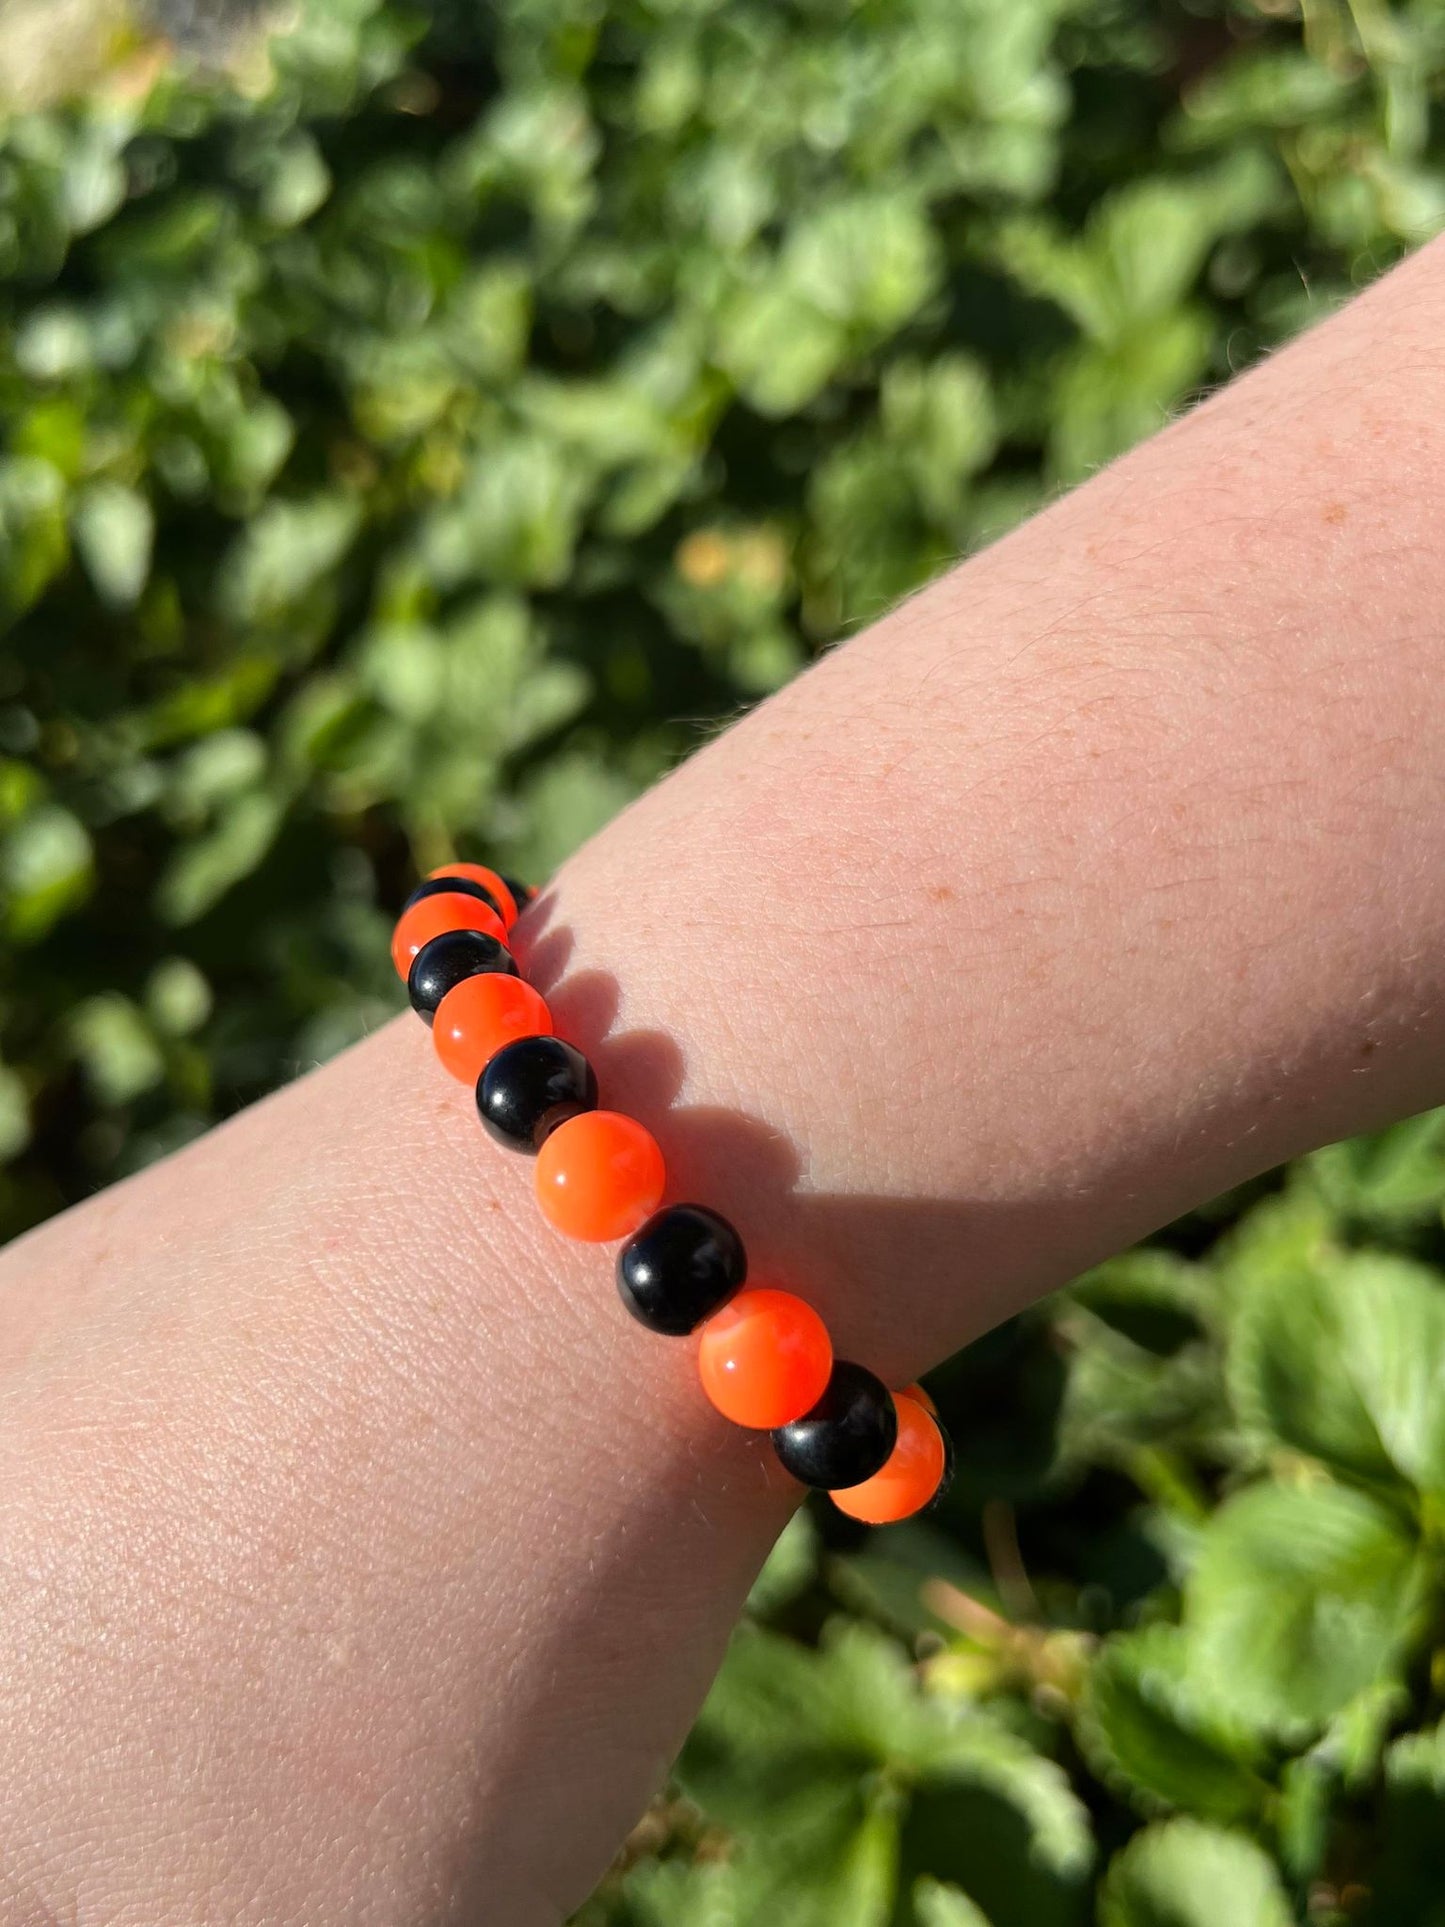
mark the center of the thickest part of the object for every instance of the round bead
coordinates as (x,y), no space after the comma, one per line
(682,1265)
(491,881)
(480,1015)
(459,886)
(765,1358)
(433,917)
(600,1176)
(846,1437)
(439,966)
(522,893)
(909,1480)
(532,1086)
(920,1396)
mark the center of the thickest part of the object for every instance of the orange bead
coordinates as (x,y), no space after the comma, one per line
(489,880)
(765,1358)
(433,917)
(479,1015)
(599,1176)
(920,1397)
(910,1478)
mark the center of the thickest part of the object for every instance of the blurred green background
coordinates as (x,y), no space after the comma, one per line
(417,430)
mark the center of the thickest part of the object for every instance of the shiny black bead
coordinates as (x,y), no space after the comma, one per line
(532,1086)
(522,893)
(846,1437)
(452,886)
(679,1268)
(439,966)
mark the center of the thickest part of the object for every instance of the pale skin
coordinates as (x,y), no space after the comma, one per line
(362,1560)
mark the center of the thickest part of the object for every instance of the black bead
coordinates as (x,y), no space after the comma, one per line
(439,966)
(522,893)
(532,1086)
(846,1437)
(679,1268)
(451,887)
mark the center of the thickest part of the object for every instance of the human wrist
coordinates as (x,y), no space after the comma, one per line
(378,1461)
(764,1354)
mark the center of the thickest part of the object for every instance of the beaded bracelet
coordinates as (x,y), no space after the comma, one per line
(764,1356)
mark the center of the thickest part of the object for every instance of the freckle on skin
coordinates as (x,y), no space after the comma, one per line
(940,893)
(1335,512)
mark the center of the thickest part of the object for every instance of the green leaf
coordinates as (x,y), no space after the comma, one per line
(570,798)
(981,1753)
(94,180)
(1343,1358)
(1122,1396)
(1418,1760)
(14,1114)
(1151,1734)
(114,531)
(516,521)
(52,342)
(1150,1296)
(937,1905)
(830,1721)
(941,418)
(34,545)
(868,263)
(1392,1179)
(1301,1598)
(779,347)
(296,182)
(201,872)
(177,997)
(823,1864)
(1289,1232)
(783,1755)
(288,550)
(1282,87)
(1408,1870)
(791,1566)
(117,1048)
(46,869)
(672,1893)
(1303,1814)
(1184,1874)
(1149,240)
(1355,1739)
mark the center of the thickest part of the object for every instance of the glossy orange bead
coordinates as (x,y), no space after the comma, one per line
(920,1397)
(765,1358)
(489,880)
(910,1478)
(600,1176)
(432,917)
(481,1014)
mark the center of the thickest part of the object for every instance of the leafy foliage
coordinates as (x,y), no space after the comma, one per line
(399,433)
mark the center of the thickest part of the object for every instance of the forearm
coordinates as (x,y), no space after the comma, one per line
(1106,872)
(348,1532)
(358,1548)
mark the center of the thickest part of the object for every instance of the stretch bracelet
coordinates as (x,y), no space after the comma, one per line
(763,1355)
